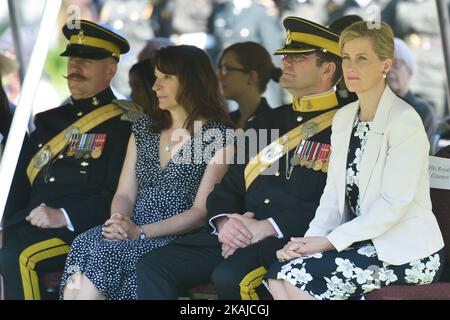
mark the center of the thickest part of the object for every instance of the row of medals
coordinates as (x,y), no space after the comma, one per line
(79,148)
(319,164)
(315,163)
(309,129)
(44,155)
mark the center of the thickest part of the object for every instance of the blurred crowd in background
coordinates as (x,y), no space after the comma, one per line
(213,25)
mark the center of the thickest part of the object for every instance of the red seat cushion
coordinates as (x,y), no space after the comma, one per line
(435,291)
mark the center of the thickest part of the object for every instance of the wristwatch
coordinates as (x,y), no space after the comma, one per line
(142,235)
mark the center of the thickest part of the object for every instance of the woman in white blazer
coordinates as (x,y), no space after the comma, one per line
(374,226)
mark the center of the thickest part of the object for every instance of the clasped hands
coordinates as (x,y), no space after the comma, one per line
(299,247)
(120,227)
(46,217)
(239,231)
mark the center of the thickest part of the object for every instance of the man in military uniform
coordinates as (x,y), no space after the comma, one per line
(74,165)
(261,203)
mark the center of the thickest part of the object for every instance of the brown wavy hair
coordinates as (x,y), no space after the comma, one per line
(199,91)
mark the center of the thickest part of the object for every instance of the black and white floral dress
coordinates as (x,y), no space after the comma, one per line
(356,271)
(162,193)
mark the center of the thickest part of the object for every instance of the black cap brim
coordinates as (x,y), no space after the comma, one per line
(288,49)
(343,22)
(87,52)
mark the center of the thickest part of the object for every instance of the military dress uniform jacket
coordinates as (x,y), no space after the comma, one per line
(290,202)
(83,187)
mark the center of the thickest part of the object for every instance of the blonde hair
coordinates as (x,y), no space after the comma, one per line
(382,38)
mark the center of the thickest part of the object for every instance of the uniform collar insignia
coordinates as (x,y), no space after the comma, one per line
(100,99)
(316,102)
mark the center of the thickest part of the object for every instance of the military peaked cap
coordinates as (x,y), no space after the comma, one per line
(343,22)
(92,41)
(303,36)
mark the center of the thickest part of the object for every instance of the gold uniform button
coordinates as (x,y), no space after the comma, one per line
(277,173)
(299,118)
(60,156)
(80,114)
(40,145)
(52,179)
(267,201)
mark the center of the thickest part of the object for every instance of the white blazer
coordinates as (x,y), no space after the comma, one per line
(393,186)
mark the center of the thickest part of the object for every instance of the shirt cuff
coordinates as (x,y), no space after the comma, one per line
(69,223)
(275,226)
(212,224)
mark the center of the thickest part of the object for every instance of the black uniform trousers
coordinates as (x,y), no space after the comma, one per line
(83,186)
(166,272)
(291,202)
(28,251)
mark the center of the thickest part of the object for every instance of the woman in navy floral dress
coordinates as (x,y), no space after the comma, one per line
(172,163)
(374,226)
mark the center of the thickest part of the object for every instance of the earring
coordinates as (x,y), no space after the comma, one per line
(384,74)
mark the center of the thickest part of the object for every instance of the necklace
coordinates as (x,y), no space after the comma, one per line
(168,146)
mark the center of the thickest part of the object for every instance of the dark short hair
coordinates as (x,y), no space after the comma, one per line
(145,72)
(199,92)
(324,57)
(253,56)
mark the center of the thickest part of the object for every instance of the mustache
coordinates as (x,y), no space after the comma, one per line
(75,76)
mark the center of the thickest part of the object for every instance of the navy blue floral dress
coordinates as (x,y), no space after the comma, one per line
(356,271)
(110,265)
